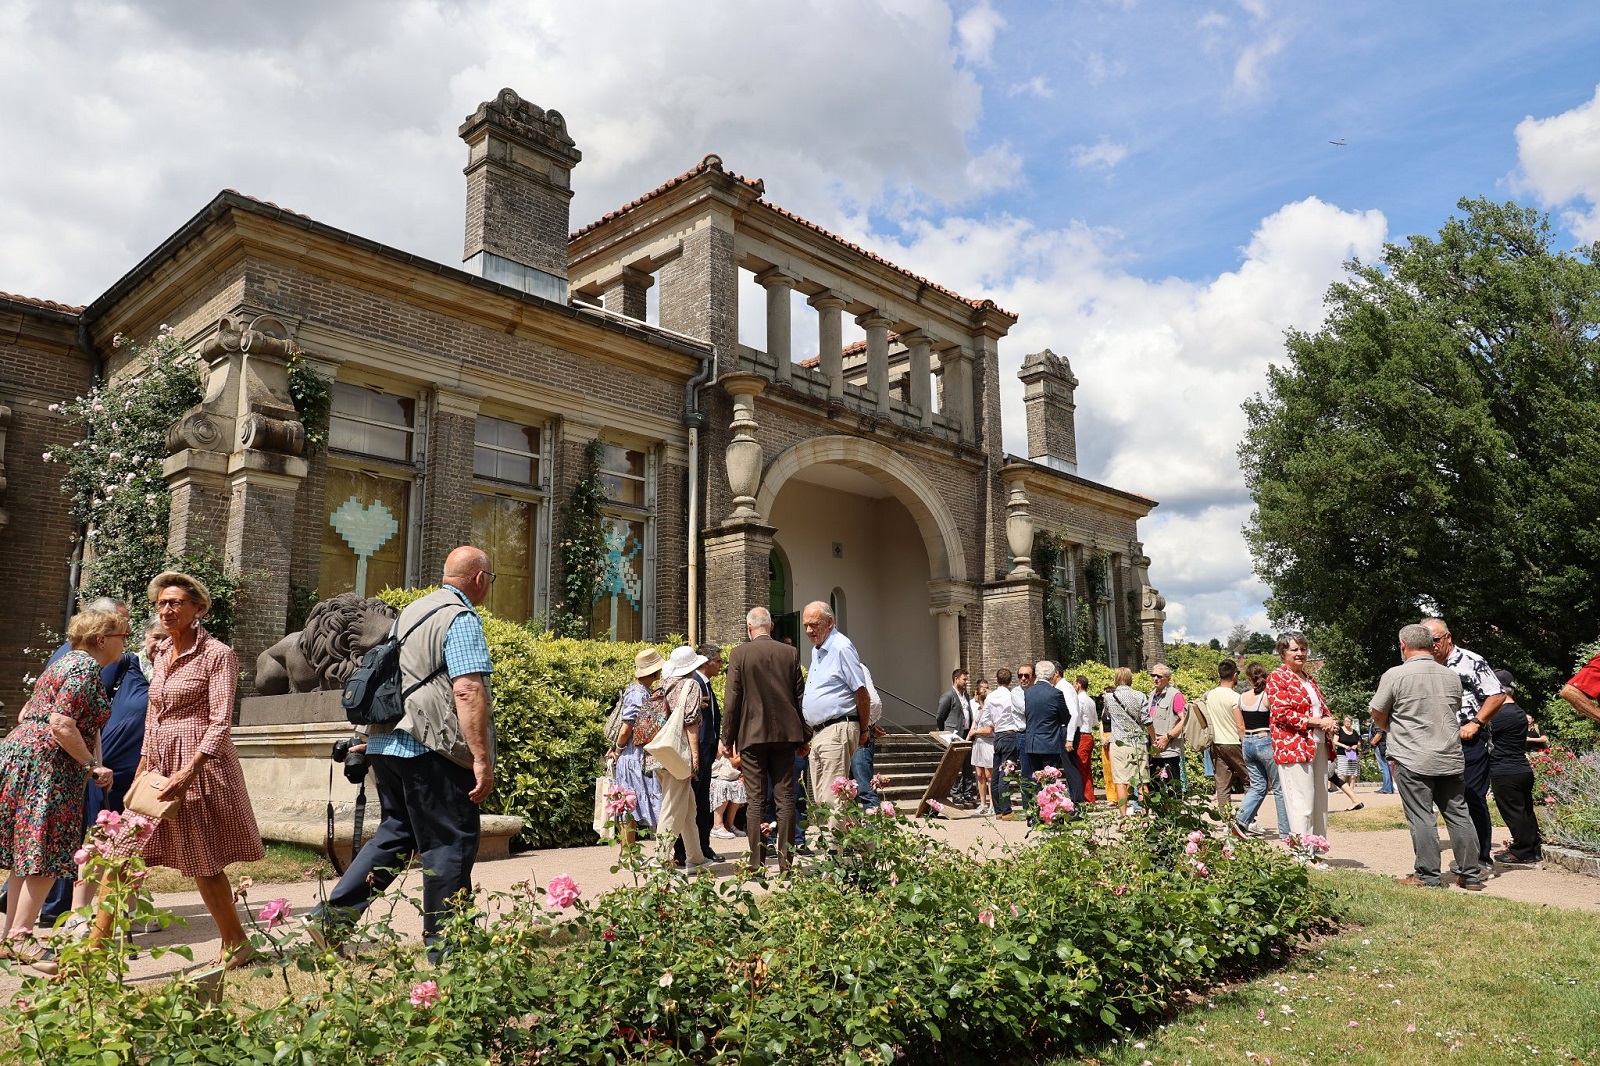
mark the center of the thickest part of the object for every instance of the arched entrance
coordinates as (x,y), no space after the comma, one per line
(859,527)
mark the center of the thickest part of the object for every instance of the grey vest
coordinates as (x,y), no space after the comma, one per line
(1165,717)
(431,710)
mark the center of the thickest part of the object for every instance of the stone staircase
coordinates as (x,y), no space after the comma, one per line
(909,761)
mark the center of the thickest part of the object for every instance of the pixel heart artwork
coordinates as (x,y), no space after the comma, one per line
(365,529)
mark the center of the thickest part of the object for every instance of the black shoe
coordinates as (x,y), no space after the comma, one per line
(1505,858)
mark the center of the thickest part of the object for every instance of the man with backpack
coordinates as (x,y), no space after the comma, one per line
(435,765)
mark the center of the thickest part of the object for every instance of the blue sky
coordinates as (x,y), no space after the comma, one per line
(1150,185)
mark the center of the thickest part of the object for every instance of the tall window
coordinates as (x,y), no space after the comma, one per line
(372,468)
(507,507)
(621,604)
(1063,589)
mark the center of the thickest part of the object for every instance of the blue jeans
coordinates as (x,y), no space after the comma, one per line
(1382,751)
(1006,749)
(861,770)
(1263,772)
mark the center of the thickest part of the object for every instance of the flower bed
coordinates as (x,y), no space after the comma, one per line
(891,947)
(1567,791)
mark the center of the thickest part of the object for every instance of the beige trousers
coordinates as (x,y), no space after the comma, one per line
(831,751)
(677,817)
(1305,793)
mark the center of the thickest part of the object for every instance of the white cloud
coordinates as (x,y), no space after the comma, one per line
(1038,85)
(976,31)
(1104,154)
(1097,68)
(1163,363)
(1559,160)
(1248,75)
(137,114)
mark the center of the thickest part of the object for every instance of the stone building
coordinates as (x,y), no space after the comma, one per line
(872,476)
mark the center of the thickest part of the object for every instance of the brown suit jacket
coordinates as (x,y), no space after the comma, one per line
(761,698)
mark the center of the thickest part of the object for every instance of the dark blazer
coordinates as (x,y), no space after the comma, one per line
(761,697)
(710,728)
(1047,716)
(953,708)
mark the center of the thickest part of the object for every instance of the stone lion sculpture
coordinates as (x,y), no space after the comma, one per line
(327,651)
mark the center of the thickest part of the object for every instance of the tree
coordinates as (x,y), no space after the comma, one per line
(1435,447)
(1236,636)
(1260,644)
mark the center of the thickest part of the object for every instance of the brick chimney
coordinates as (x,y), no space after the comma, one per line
(519,188)
(1047,390)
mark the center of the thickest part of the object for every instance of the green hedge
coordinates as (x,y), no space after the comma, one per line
(551,698)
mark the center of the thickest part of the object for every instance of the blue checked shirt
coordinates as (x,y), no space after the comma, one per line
(465,652)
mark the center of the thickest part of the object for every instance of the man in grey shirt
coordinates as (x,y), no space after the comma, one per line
(1416,703)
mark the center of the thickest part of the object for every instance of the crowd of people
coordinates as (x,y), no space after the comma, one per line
(150,729)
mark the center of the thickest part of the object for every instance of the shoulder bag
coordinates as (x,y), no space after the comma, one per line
(144,796)
(1196,730)
(670,746)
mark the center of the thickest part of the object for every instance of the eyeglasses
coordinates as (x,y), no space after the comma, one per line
(491,575)
(1024,677)
(1440,639)
(124,636)
(170,605)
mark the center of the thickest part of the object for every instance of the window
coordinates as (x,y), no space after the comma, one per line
(505,521)
(1063,588)
(371,422)
(622,608)
(367,521)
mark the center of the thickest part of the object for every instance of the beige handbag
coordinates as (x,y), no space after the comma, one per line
(670,745)
(144,796)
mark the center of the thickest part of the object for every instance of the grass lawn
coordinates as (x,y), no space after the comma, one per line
(283,863)
(1421,976)
(1373,819)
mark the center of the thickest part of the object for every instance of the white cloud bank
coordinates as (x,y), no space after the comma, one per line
(1559,160)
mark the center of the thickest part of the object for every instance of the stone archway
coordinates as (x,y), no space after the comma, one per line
(947,560)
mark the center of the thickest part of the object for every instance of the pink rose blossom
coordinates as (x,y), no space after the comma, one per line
(843,787)
(1120,890)
(886,809)
(563,890)
(610,934)
(986,917)
(1191,848)
(425,994)
(81,856)
(936,807)
(275,913)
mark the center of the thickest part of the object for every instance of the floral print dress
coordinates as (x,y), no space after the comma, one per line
(42,787)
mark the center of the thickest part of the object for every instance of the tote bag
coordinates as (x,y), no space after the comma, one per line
(670,745)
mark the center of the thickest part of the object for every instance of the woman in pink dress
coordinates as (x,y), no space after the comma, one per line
(188,739)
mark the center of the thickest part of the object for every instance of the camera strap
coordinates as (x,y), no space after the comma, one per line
(355,830)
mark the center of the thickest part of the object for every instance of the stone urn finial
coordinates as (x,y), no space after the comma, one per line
(743,455)
(1019,533)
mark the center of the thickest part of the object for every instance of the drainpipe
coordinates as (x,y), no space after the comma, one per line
(97,368)
(694,419)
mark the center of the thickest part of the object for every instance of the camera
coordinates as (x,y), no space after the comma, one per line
(355,762)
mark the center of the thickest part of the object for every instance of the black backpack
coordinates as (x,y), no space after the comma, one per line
(374,695)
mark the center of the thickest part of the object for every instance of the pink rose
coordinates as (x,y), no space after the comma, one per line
(275,913)
(563,890)
(1120,890)
(886,809)
(425,994)
(986,917)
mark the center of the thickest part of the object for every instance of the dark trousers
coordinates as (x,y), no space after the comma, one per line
(425,812)
(861,770)
(1006,749)
(1419,795)
(704,817)
(1477,781)
(769,766)
(1036,761)
(1513,794)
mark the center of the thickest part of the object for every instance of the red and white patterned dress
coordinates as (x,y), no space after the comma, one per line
(191,709)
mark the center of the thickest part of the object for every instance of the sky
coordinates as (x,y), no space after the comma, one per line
(1151,186)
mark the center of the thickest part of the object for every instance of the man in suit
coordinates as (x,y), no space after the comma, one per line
(761,721)
(710,731)
(955,710)
(1044,737)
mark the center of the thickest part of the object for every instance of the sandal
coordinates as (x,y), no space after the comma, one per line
(33,955)
(1357,807)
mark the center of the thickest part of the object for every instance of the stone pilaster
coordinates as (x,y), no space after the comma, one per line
(736,557)
(1013,623)
(626,293)
(830,340)
(260,546)
(447,520)
(779,288)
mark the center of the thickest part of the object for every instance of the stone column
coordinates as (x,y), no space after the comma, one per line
(1013,623)
(921,392)
(830,340)
(625,293)
(743,454)
(948,602)
(779,286)
(736,580)
(1019,531)
(877,328)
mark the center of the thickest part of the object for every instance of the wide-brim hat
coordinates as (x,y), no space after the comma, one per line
(647,662)
(683,662)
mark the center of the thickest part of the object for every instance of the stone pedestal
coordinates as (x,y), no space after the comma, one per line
(260,545)
(1013,623)
(198,481)
(736,558)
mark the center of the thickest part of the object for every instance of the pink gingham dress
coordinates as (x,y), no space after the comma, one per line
(191,708)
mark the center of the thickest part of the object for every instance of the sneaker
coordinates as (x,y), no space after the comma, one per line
(722,834)
(704,863)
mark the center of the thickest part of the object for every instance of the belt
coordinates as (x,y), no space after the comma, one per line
(1258,732)
(835,721)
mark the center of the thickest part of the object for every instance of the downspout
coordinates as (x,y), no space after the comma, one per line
(97,368)
(694,419)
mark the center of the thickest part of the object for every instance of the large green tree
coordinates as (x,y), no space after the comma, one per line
(1436,446)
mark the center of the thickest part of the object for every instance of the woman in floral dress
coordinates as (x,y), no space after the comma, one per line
(188,738)
(45,766)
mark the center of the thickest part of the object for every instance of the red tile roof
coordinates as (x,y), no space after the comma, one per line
(713,163)
(48,305)
(268,203)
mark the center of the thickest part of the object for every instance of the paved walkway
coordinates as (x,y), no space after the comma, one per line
(1386,852)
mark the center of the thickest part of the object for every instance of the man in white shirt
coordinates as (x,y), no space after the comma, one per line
(1086,721)
(1008,725)
(1075,724)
